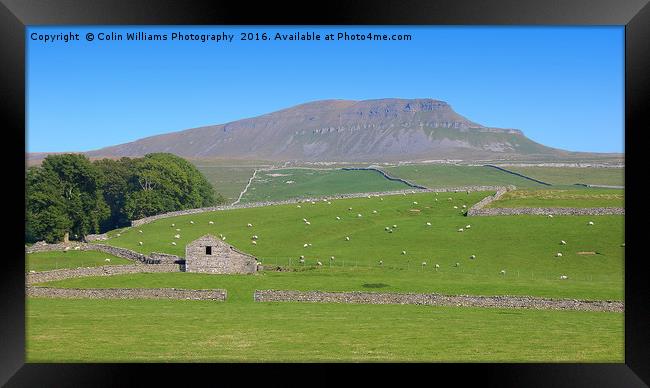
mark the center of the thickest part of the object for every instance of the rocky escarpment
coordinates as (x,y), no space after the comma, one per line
(343,130)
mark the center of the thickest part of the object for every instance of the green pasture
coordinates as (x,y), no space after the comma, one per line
(581,197)
(84,330)
(573,175)
(524,246)
(451,175)
(47,261)
(300,183)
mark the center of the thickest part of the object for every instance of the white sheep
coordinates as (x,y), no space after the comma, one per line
(559,254)
(428,224)
(177,236)
(424,263)
(255,237)
(304,220)
(302,257)
(468,226)
(118,235)
(381,262)
(140,243)
(173,225)
(191,222)
(307,223)
(415,203)
(394,226)
(223,238)
(173,242)
(550,216)
(562,242)
(298,206)
(139,231)
(349,208)
(178,229)
(77,248)
(437,266)
(436,199)
(210,222)
(472,257)
(387,228)
(403,252)
(305,245)
(590,223)
(338,218)
(302,261)
(347,238)
(309,244)
(455,207)
(503,272)
(457,265)
(329,203)
(381,199)
(374,212)
(313,203)
(359,215)
(107,260)
(254,242)
(563,277)
(66,249)
(332,258)
(461,230)
(319,263)
(464,206)
(249,225)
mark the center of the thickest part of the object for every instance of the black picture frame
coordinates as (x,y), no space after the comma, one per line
(15,15)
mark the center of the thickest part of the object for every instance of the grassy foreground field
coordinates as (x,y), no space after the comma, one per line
(239,329)
(47,261)
(296,183)
(203,331)
(585,197)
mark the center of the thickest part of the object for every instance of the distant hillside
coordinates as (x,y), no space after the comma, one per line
(343,130)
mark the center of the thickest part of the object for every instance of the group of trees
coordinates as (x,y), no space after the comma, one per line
(70,194)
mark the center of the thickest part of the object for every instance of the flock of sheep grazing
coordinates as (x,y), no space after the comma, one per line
(388,229)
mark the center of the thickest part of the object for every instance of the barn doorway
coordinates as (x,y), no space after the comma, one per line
(208,250)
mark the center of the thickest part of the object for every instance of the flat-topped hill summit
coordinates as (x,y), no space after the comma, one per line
(345,130)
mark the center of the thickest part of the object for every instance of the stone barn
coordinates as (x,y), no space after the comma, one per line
(208,254)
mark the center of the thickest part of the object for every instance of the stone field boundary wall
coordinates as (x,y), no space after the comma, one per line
(153,258)
(105,270)
(557,211)
(147,220)
(479,208)
(436,300)
(127,293)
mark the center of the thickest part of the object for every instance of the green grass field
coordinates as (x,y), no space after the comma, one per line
(449,175)
(83,330)
(583,197)
(47,261)
(301,183)
(526,244)
(242,330)
(573,175)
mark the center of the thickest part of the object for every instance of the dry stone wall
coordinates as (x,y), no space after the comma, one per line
(436,300)
(105,270)
(557,211)
(147,220)
(127,293)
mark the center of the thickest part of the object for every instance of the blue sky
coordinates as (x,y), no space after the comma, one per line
(562,86)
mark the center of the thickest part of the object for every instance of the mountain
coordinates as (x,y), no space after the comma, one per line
(343,130)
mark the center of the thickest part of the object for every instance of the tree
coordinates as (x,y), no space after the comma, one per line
(65,186)
(117,179)
(167,183)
